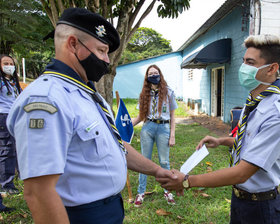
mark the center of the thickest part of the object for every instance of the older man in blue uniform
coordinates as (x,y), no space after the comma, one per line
(70,153)
(254,168)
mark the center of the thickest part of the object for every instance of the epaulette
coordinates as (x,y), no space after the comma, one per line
(41,86)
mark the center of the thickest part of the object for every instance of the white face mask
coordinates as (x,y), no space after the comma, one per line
(9,69)
(247,76)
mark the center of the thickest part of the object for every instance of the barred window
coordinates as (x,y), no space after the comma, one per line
(190,75)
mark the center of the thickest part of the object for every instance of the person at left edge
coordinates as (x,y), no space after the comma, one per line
(9,90)
(70,156)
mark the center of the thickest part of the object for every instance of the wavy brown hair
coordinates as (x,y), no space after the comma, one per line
(145,95)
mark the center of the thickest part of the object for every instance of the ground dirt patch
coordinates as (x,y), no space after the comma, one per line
(214,124)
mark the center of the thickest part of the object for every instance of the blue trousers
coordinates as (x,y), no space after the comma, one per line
(1,204)
(105,211)
(255,212)
(154,133)
(8,160)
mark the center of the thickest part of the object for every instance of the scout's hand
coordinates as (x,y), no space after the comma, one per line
(173,184)
(171,141)
(210,141)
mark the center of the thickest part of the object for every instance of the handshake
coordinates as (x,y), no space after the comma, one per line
(178,181)
(172,180)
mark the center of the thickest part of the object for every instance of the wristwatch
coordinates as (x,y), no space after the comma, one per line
(186,183)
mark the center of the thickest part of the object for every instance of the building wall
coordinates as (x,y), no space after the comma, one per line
(265,17)
(234,95)
(129,79)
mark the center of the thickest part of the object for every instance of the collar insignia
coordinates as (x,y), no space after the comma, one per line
(100,31)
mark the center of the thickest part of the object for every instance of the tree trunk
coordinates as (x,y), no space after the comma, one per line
(125,28)
(5,47)
(105,87)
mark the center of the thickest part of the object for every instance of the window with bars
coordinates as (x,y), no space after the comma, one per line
(190,75)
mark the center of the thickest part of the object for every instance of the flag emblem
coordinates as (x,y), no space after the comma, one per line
(124,123)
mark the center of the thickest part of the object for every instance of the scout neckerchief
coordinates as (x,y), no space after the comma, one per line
(12,83)
(154,102)
(95,97)
(251,104)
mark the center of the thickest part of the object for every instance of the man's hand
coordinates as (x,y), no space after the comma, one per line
(166,174)
(173,183)
(210,141)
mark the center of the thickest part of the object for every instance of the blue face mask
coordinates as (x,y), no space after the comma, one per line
(155,79)
(247,76)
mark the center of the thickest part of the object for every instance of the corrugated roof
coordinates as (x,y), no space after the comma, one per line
(226,8)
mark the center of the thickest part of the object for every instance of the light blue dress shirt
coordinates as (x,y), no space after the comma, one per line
(167,106)
(261,145)
(74,141)
(7,99)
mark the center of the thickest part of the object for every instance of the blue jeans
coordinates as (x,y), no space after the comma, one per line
(255,212)
(159,133)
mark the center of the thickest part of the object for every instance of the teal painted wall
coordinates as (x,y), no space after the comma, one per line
(234,95)
(129,79)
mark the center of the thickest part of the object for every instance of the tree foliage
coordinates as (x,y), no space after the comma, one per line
(23,25)
(145,43)
(128,17)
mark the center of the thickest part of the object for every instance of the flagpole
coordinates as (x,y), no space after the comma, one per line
(130,198)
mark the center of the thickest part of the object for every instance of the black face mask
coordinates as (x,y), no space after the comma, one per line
(155,79)
(94,67)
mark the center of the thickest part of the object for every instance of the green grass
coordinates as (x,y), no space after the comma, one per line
(192,208)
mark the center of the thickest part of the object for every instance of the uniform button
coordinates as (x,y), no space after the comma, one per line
(97,133)
(45,79)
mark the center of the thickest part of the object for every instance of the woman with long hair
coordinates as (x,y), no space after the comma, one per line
(9,90)
(157,106)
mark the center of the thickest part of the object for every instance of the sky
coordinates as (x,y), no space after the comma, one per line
(180,29)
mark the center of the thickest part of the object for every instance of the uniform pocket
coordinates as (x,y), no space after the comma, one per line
(92,142)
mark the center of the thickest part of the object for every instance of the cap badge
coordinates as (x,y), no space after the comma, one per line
(100,31)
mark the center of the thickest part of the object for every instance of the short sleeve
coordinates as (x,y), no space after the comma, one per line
(172,100)
(263,148)
(42,137)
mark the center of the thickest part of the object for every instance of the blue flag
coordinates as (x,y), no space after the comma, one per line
(124,123)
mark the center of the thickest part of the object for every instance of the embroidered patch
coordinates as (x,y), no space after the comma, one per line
(40,106)
(36,123)
(100,31)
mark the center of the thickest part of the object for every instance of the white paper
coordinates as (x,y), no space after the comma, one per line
(194,159)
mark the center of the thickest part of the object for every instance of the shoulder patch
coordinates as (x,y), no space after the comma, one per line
(36,123)
(40,106)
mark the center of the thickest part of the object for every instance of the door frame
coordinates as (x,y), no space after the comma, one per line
(214,92)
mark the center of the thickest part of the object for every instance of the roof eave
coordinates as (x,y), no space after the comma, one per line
(225,9)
